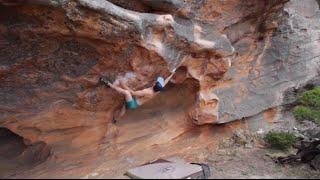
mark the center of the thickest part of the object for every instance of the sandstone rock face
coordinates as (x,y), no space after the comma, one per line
(236,58)
(286,57)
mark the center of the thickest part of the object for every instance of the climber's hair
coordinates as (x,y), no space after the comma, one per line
(157,87)
(159,84)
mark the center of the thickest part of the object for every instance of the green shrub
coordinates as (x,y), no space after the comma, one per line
(305,113)
(280,140)
(311,98)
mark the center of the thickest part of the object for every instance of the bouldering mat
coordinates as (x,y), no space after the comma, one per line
(164,169)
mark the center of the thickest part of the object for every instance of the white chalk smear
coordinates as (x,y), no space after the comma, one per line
(128,76)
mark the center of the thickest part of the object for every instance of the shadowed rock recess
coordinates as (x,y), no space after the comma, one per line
(234,59)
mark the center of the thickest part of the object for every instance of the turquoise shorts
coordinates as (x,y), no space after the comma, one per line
(133,104)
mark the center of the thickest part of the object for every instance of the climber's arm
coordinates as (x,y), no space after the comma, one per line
(141,93)
(169,78)
(147,91)
(150,91)
(138,93)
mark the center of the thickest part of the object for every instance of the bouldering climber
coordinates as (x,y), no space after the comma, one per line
(135,98)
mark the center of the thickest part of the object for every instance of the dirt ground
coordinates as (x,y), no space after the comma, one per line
(254,163)
(254,160)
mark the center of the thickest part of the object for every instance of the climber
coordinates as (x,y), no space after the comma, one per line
(135,98)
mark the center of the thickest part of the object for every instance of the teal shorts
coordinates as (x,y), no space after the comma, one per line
(133,104)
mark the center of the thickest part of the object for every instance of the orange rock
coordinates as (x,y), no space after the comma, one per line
(234,59)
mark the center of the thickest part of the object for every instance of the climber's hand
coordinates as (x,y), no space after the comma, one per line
(174,70)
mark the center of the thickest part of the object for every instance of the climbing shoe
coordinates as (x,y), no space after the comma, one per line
(104,80)
(114,121)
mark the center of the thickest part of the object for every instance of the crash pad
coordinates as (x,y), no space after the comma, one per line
(165,170)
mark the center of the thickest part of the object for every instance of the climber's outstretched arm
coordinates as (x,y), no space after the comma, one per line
(147,91)
(169,78)
(150,91)
(141,93)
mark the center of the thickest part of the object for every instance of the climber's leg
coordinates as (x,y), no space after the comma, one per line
(126,93)
(118,114)
(128,96)
(131,102)
(122,111)
(124,86)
